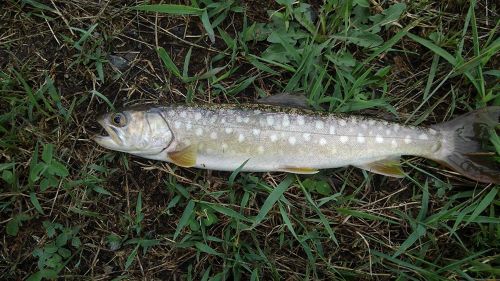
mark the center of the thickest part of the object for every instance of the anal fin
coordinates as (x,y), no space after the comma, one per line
(299,170)
(185,157)
(388,167)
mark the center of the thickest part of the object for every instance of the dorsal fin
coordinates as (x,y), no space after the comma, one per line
(286,100)
(388,167)
(185,157)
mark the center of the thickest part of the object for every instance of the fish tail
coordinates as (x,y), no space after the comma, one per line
(463,146)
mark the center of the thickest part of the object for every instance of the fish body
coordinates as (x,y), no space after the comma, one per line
(267,138)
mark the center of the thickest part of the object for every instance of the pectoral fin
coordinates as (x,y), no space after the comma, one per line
(387,167)
(299,170)
(185,157)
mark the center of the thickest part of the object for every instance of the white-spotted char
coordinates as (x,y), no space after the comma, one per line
(222,137)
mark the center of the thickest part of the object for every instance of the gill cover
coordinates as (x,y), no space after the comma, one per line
(142,131)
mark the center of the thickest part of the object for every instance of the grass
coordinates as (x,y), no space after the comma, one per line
(70,209)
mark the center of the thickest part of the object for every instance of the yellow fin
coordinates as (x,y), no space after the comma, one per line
(185,157)
(387,167)
(299,170)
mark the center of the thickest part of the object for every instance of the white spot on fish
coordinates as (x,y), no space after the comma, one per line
(223,120)
(274,138)
(361,138)
(286,121)
(239,119)
(423,137)
(257,111)
(322,141)
(270,120)
(344,139)
(407,139)
(332,130)
(197,116)
(189,125)
(307,136)
(300,120)
(246,120)
(183,114)
(319,125)
(177,124)
(388,132)
(256,132)
(228,130)
(364,126)
(432,131)
(292,140)
(371,122)
(260,149)
(213,119)
(342,122)
(199,131)
(241,138)
(213,135)
(379,139)
(394,143)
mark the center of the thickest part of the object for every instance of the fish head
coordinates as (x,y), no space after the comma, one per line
(139,132)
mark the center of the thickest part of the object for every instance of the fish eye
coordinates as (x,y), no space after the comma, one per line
(118,119)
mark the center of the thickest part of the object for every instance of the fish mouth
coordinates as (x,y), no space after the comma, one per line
(109,137)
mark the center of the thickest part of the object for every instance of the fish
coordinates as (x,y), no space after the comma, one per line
(271,138)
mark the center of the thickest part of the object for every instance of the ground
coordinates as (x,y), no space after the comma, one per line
(71,209)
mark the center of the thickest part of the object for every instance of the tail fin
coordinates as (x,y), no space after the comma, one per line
(465,138)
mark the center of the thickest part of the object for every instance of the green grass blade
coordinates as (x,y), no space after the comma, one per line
(167,61)
(485,203)
(363,215)
(228,212)
(36,203)
(184,220)
(282,65)
(289,225)
(272,199)
(432,74)
(322,217)
(402,263)
(206,249)
(185,69)
(414,236)
(235,173)
(208,26)
(104,98)
(435,48)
